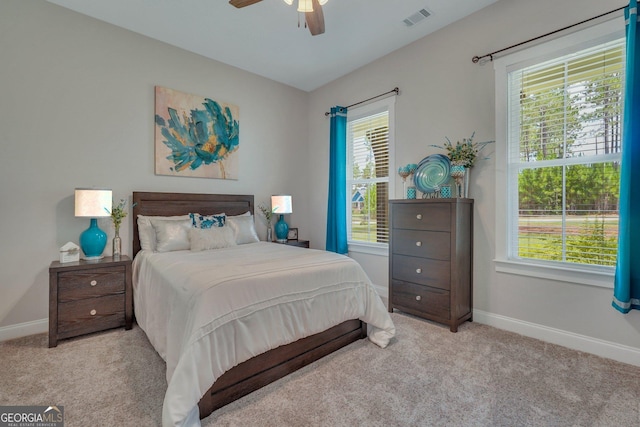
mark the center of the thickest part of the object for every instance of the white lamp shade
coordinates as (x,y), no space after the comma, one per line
(281,205)
(93,202)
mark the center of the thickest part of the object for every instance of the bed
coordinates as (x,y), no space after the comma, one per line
(188,343)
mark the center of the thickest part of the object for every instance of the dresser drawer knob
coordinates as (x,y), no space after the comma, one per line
(93,312)
(419,216)
(94,282)
(418,270)
(418,243)
(418,297)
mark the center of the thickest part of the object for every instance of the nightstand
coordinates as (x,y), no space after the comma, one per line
(299,243)
(89,296)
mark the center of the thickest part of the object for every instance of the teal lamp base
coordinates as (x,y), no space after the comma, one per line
(282,229)
(93,241)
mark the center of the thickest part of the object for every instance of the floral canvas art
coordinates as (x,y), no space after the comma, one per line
(195,136)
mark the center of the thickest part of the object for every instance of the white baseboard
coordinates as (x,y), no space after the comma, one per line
(24,329)
(610,350)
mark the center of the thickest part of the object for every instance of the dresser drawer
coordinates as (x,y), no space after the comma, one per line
(90,315)
(421,299)
(434,216)
(423,271)
(427,244)
(90,283)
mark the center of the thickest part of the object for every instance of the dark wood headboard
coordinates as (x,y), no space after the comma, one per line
(171,204)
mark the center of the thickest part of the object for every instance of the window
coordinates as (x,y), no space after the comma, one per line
(369,145)
(562,153)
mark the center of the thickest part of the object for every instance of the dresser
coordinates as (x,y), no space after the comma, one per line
(431,259)
(89,296)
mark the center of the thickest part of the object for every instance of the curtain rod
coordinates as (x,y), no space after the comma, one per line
(482,60)
(395,89)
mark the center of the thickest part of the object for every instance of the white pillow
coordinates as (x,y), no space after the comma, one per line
(203,239)
(243,228)
(171,235)
(147,234)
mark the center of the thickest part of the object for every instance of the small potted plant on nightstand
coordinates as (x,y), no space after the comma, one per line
(268,214)
(118,213)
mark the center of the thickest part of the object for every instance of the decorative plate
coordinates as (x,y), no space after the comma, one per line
(432,172)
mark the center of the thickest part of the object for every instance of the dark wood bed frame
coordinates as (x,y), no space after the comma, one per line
(267,367)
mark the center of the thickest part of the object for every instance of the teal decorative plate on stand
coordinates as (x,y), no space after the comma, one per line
(432,172)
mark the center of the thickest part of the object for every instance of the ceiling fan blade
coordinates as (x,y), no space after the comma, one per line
(315,19)
(242,3)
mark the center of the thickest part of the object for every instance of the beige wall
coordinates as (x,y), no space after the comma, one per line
(77,109)
(444,94)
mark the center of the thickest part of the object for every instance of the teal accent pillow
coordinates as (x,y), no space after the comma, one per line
(207,221)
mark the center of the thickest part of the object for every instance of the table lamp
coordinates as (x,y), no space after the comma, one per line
(281,205)
(93,203)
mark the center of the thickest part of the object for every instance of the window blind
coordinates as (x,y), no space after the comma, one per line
(564,131)
(368,158)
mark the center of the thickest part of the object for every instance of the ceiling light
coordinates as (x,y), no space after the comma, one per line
(305,5)
(311,16)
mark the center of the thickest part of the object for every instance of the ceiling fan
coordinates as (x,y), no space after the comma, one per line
(312,10)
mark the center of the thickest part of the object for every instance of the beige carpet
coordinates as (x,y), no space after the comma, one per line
(480,376)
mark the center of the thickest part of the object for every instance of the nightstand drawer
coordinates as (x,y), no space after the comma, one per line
(421,299)
(436,216)
(423,271)
(90,315)
(426,244)
(77,285)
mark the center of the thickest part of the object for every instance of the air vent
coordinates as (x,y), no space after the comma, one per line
(416,17)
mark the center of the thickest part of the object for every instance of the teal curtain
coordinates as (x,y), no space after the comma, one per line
(626,292)
(337,206)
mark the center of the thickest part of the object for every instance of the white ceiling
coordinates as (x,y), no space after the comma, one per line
(264,38)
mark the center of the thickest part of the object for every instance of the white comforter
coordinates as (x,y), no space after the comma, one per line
(205,312)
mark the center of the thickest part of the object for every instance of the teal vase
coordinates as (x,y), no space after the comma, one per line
(93,240)
(282,229)
(411,193)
